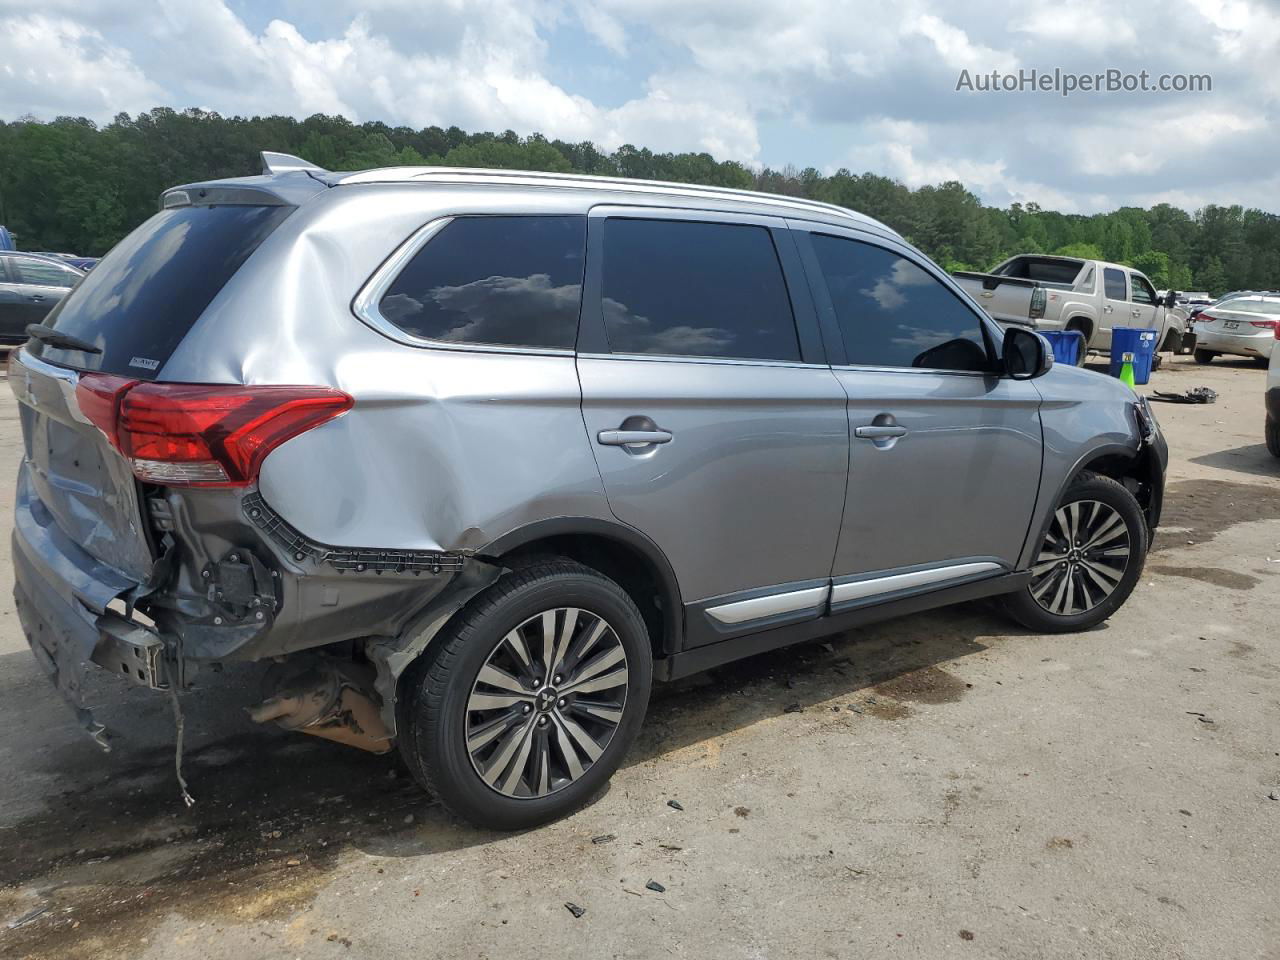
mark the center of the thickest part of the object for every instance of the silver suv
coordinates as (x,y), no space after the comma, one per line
(471,457)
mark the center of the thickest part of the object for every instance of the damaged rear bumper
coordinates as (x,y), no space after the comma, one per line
(62,595)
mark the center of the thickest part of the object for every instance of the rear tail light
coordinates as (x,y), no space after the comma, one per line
(1037,303)
(1264,324)
(1203,317)
(183,434)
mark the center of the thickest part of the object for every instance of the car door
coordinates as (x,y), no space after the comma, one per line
(719,429)
(42,283)
(13,307)
(945,453)
(1142,303)
(1116,306)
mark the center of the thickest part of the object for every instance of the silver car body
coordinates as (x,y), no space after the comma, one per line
(1242,327)
(767,519)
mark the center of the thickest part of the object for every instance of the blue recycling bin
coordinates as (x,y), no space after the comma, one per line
(1068,346)
(1139,341)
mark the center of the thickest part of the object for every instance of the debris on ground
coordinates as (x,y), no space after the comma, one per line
(576,910)
(792,708)
(966,934)
(28,916)
(655,886)
(604,838)
(743,812)
(674,805)
(1194,395)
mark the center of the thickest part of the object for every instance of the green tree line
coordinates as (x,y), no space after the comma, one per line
(70,185)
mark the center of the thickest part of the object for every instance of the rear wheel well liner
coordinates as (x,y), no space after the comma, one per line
(621,553)
(1083,324)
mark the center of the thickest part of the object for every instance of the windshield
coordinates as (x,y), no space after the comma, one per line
(147,293)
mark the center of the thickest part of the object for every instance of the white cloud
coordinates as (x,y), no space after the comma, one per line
(829,84)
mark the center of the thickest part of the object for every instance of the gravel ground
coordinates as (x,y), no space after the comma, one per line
(942,785)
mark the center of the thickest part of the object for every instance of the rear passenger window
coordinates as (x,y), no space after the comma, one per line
(43,274)
(1114,285)
(893,313)
(682,288)
(500,281)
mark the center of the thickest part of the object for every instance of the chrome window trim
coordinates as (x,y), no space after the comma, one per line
(365,304)
(875,368)
(723,361)
(775,604)
(875,586)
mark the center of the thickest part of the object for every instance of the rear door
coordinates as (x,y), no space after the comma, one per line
(718,427)
(44,283)
(1115,306)
(12,307)
(945,454)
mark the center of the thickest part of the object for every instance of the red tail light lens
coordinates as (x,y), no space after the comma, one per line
(1203,317)
(1264,324)
(181,434)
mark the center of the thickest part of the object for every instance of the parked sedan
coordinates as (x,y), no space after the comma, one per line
(30,286)
(1240,327)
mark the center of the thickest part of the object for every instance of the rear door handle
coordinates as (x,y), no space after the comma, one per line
(877,431)
(623,438)
(36,298)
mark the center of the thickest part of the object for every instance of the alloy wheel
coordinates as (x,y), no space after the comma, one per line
(546,703)
(1082,560)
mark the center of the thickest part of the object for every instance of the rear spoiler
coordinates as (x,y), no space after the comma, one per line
(991,280)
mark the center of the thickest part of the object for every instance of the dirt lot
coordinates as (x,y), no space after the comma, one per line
(948,786)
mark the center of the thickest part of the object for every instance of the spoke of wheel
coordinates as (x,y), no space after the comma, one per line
(1114,576)
(496,701)
(1058,605)
(1105,585)
(1040,589)
(608,681)
(596,666)
(512,779)
(1073,515)
(489,732)
(548,638)
(521,649)
(1082,584)
(501,679)
(569,753)
(580,736)
(1113,527)
(589,639)
(1064,525)
(1046,565)
(602,711)
(542,764)
(1117,552)
(506,750)
(562,641)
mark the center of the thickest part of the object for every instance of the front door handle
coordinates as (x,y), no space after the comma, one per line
(876,431)
(36,298)
(623,438)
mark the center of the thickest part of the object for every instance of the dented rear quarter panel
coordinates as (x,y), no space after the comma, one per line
(445,449)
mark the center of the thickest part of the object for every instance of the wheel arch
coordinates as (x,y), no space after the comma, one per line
(620,552)
(1137,469)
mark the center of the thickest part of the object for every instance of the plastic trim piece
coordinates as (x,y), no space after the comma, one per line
(758,608)
(875,586)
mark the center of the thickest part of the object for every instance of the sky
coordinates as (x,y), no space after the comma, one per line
(844,83)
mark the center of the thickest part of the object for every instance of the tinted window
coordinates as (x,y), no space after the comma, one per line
(148,292)
(43,273)
(695,289)
(1113,284)
(508,281)
(1142,290)
(893,313)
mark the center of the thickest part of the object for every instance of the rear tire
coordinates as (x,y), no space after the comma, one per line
(1204,356)
(1083,330)
(1088,561)
(1262,362)
(491,732)
(1272,433)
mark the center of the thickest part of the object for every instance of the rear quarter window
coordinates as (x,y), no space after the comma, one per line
(147,293)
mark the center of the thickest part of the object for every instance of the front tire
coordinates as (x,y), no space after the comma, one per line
(1089,559)
(537,690)
(1204,356)
(1272,434)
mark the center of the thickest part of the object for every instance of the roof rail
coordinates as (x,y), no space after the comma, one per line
(406,174)
(273,163)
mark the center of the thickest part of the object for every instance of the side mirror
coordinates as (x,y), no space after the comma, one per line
(1171,299)
(1026,354)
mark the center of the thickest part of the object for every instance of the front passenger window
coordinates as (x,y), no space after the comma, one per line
(893,313)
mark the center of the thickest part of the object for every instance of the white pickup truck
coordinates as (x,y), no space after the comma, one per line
(1067,293)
